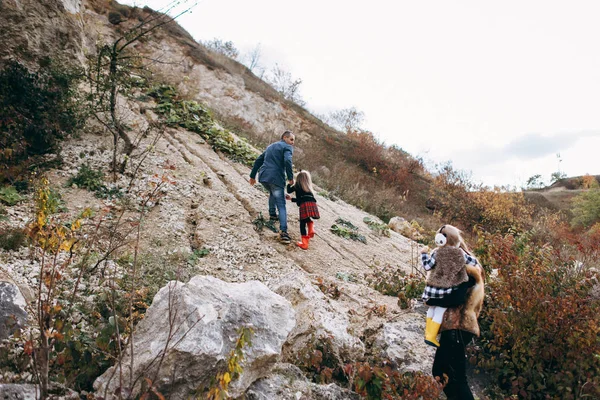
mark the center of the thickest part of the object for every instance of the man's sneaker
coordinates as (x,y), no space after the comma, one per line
(273,218)
(285,238)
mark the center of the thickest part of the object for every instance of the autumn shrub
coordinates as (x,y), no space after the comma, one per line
(85,304)
(219,386)
(450,196)
(391,165)
(457,199)
(540,323)
(320,362)
(392,281)
(380,380)
(329,289)
(589,182)
(373,379)
(502,210)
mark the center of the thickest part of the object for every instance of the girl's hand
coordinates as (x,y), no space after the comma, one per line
(425,250)
(288,197)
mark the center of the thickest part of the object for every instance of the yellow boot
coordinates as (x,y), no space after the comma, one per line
(431,331)
(427,324)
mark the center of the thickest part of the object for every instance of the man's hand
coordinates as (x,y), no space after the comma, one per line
(291,182)
(252,181)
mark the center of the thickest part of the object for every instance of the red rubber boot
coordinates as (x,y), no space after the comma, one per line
(304,243)
(311,229)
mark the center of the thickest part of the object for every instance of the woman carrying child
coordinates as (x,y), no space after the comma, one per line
(447,282)
(305,200)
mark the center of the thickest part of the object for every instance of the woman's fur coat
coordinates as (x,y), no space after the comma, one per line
(464,317)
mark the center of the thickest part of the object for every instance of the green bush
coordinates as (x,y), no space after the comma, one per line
(114,17)
(12,239)
(37,110)
(348,230)
(10,196)
(586,208)
(380,228)
(197,118)
(88,178)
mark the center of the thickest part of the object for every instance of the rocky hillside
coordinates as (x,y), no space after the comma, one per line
(202,224)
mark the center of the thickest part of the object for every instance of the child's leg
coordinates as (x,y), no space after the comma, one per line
(305,239)
(438,314)
(303,223)
(430,312)
(435,315)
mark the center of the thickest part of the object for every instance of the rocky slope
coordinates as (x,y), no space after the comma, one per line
(210,204)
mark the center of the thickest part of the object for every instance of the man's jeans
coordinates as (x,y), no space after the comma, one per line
(277,199)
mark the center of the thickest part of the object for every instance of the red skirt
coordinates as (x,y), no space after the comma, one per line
(309,209)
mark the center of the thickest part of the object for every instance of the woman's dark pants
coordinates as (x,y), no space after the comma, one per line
(450,359)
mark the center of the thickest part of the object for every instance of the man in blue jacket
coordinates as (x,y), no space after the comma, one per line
(272,166)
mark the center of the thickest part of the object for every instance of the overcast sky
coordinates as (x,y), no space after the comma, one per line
(498,88)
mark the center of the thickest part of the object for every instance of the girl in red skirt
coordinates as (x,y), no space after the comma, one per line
(305,199)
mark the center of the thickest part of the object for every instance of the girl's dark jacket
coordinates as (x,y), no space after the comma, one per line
(301,195)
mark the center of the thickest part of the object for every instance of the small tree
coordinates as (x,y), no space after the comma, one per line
(110,75)
(535,182)
(557,176)
(226,48)
(282,81)
(252,61)
(347,119)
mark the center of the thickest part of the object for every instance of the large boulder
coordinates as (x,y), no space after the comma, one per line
(206,314)
(27,391)
(286,382)
(405,228)
(318,321)
(13,391)
(13,314)
(402,342)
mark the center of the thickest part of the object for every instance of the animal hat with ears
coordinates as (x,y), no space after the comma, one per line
(449,235)
(450,268)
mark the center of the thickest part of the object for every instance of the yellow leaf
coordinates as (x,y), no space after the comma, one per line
(67,245)
(226,378)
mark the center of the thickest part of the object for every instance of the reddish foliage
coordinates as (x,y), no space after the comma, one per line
(540,325)
(385,382)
